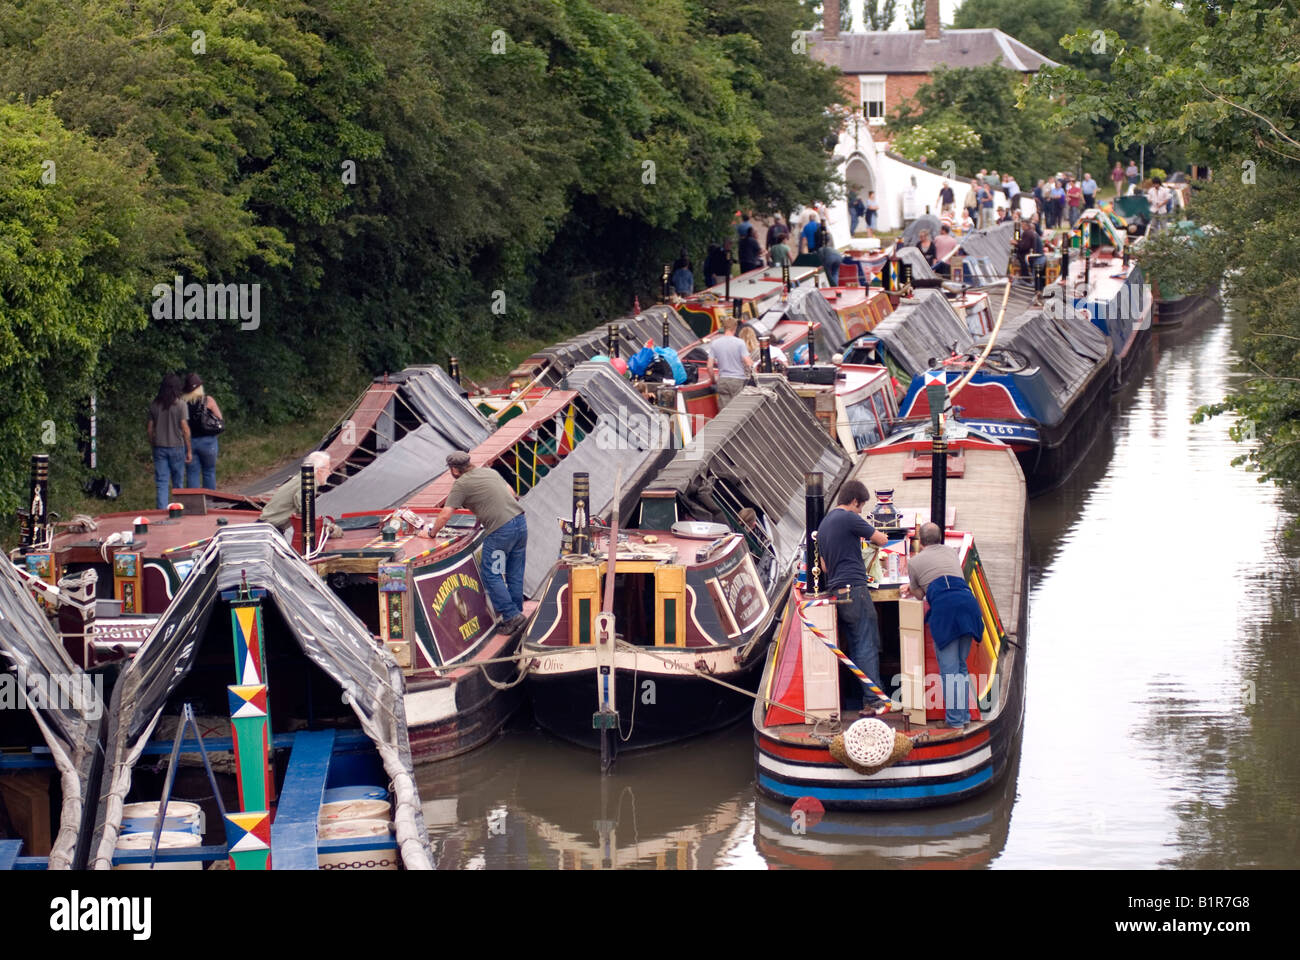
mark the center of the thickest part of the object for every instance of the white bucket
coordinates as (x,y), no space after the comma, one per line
(167,840)
(359,858)
(359,809)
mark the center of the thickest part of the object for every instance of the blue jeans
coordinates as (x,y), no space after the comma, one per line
(860,639)
(956,682)
(204,463)
(168,472)
(504,550)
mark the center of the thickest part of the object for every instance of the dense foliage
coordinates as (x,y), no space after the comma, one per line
(971,116)
(400,180)
(1042,24)
(1222,78)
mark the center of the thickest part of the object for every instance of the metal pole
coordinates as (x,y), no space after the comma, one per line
(726,292)
(36,530)
(307,480)
(814,513)
(453,368)
(938,470)
(665,290)
(581,542)
(613,340)
(812,343)
(785,278)
(765,353)
(666,328)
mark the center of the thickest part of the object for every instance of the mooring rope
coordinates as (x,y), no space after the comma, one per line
(676,664)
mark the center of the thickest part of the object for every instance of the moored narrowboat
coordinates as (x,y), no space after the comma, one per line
(267,694)
(799,723)
(699,573)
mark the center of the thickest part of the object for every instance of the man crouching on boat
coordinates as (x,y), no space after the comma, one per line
(839,543)
(483,491)
(953,614)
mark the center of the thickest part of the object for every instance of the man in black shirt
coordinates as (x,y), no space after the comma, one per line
(839,543)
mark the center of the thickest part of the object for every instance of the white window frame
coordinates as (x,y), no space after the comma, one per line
(875,83)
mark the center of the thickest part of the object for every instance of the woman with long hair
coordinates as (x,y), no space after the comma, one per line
(169,435)
(202,469)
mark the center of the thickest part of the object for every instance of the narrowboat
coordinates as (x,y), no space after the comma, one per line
(1099,277)
(799,722)
(51,719)
(968,835)
(751,293)
(1044,389)
(695,587)
(259,724)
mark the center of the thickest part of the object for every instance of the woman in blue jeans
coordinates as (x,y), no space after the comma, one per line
(169,435)
(202,469)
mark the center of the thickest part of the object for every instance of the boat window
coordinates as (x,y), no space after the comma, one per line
(863,422)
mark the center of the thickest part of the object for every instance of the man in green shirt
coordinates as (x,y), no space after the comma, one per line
(483,491)
(286,502)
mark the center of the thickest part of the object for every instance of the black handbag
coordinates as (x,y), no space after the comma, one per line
(203,422)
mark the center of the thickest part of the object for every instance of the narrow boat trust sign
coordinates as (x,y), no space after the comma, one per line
(456,608)
(214,301)
(81,692)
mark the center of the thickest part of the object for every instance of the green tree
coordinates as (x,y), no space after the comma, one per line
(916,15)
(1011,137)
(879,14)
(1220,79)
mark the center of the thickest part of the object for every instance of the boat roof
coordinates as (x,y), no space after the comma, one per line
(328,633)
(920,328)
(630,435)
(1066,349)
(69,724)
(423,395)
(761,445)
(992,244)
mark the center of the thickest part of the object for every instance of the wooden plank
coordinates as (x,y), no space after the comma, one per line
(9,853)
(364,418)
(293,833)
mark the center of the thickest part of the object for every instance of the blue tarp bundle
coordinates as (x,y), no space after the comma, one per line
(641,360)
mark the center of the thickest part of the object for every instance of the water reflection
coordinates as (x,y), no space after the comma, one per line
(1161,696)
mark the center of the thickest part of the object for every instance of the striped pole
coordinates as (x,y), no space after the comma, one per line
(840,654)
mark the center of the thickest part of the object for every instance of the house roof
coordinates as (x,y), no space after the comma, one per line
(908,51)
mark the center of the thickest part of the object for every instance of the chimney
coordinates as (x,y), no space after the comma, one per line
(932,19)
(831,19)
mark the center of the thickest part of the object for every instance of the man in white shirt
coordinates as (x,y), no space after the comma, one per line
(1159,199)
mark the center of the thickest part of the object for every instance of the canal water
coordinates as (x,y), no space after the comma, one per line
(1163,690)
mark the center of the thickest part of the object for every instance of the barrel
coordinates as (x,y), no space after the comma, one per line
(383,856)
(361,808)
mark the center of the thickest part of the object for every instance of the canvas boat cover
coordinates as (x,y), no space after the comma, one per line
(923,327)
(633,332)
(629,434)
(448,422)
(926,221)
(327,632)
(61,700)
(921,270)
(760,446)
(807,303)
(1067,350)
(991,248)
